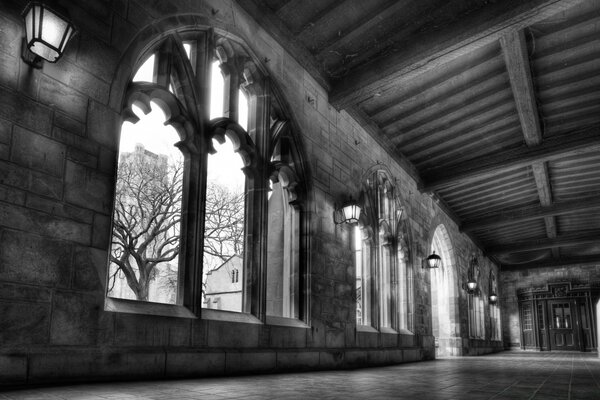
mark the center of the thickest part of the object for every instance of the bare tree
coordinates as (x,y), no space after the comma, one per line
(146,219)
(224,225)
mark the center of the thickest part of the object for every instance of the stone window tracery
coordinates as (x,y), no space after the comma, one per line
(241,181)
(383,259)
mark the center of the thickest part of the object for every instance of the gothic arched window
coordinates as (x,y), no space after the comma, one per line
(383,257)
(219,166)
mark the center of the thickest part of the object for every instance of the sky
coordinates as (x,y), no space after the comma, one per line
(224,166)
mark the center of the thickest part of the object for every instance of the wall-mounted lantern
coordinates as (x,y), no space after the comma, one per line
(493,296)
(348,213)
(433,261)
(48,30)
(472,287)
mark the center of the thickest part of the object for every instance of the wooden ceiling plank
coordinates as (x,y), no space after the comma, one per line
(574,114)
(575,34)
(577,55)
(528,213)
(480,103)
(452,126)
(371,22)
(517,194)
(501,182)
(426,98)
(333,10)
(568,102)
(555,147)
(441,46)
(514,49)
(482,64)
(276,28)
(568,74)
(563,261)
(498,140)
(571,89)
(446,103)
(546,243)
(488,207)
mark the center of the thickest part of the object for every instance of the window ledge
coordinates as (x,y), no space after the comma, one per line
(283,321)
(403,331)
(113,304)
(229,316)
(385,329)
(366,328)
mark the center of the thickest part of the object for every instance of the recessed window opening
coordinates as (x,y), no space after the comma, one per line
(144,255)
(224,227)
(217,91)
(207,255)
(145,72)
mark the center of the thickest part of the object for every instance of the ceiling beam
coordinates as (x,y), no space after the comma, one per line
(521,214)
(555,147)
(561,262)
(516,58)
(277,29)
(374,131)
(542,182)
(437,47)
(546,243)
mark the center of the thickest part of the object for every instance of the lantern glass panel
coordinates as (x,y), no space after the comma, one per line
(351,213)
(29,21)
(472,285)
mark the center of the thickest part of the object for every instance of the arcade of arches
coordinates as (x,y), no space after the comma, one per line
(167,193)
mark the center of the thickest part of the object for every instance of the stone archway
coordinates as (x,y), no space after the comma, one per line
(444,297)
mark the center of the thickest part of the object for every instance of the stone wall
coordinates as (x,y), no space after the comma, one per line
(511,281)
(58,141)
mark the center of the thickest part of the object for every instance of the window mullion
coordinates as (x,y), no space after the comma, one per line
(257,200)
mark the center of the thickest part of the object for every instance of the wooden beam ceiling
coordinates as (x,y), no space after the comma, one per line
(563,261)
(438,47)
(280,32)
(521,214)
(514,49)
(553,148)
(547,243)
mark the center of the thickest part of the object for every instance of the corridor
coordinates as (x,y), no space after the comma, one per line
(508,375)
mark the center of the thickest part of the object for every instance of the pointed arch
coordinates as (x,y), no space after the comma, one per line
(181,50)
(445,294)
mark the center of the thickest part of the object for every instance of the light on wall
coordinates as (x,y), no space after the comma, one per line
(492,289)
(433,261)
(493,298)
(471,286)
(349,213)
(48,30)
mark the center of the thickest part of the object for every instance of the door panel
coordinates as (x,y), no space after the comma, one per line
(562,334)
(542,328)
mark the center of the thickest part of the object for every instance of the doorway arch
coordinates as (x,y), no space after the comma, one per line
(444,297)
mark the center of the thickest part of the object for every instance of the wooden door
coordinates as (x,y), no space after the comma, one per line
(563,335)
(542,325)
(527,331)
(587,333)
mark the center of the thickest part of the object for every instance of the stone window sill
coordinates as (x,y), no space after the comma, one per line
(385,329)
(282,321)
(366,328)
(229,316)
(112,304)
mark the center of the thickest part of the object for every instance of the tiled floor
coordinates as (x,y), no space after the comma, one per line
(509,375)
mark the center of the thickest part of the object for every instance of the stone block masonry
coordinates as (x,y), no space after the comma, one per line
(59,129)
